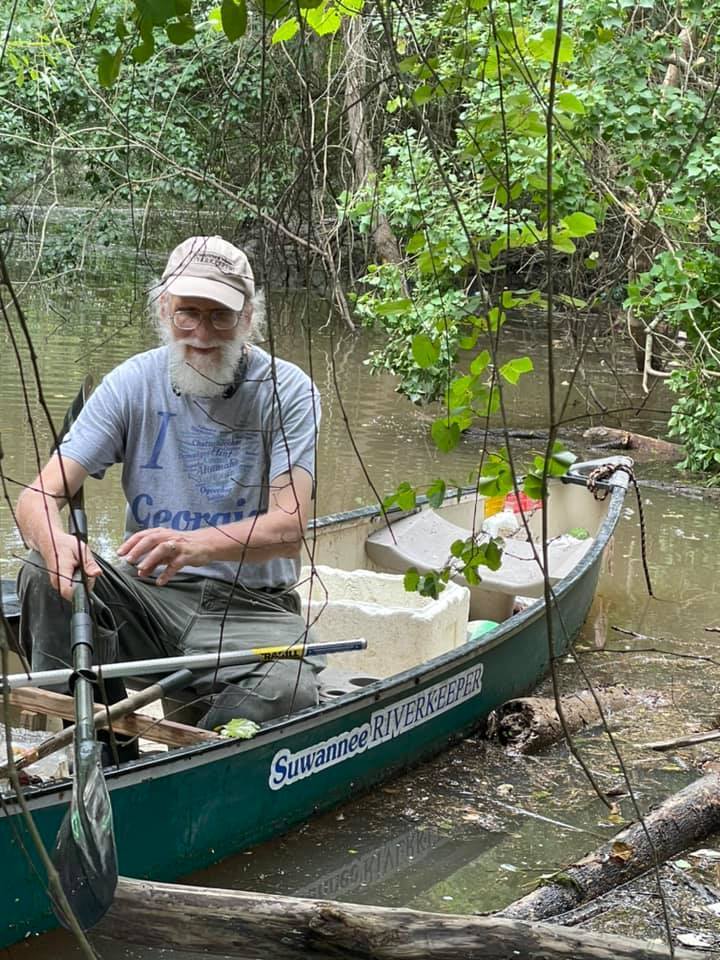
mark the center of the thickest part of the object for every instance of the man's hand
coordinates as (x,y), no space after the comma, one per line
(148,549)
(62,556)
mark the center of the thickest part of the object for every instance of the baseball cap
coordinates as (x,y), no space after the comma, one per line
(212,268)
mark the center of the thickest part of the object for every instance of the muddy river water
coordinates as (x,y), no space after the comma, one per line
(473,829)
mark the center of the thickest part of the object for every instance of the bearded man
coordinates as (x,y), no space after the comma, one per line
(217,444)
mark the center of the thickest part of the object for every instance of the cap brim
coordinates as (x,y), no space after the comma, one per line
(208,290)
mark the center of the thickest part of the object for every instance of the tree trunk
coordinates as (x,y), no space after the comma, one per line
(529,724)
(249,925)
(681,821)
(386,245)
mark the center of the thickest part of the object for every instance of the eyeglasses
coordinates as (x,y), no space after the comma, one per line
(191,318)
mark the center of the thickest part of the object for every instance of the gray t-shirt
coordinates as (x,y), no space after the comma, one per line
(190,462)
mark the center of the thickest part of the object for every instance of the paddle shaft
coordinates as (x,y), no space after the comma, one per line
(199,661)
(82,657)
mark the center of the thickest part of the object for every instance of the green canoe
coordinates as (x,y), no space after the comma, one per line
(184,809)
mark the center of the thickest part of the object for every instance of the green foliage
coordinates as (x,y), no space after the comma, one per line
(426,584)
(158,111)
(683,291)
(464,185)
(695,419)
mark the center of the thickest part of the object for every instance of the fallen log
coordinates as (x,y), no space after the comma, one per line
(679,822)
(643,448)
(249,925)
(528,724)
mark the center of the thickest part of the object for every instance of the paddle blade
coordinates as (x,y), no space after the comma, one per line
(84,854)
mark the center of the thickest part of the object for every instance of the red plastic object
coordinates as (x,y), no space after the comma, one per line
(521,502)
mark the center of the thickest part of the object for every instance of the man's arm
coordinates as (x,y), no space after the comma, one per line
(277,533)
(38,517)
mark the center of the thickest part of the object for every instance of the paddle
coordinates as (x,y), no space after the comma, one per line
(84,854)
(192,661)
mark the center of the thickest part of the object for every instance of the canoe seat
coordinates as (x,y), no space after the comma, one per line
(334,683)
(423,541)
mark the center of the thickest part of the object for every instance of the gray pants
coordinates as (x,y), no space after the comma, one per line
(134,620)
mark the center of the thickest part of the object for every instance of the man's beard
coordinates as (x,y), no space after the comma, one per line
(203,376)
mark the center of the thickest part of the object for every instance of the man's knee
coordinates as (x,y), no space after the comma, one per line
(283,688)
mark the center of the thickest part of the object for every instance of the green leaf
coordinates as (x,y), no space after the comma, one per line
(233,16)
(411,580)
(239,729)
(479,363)
(445,435)
(391,307)
(579,224)
(542,46)
(436,493)
(533,486)
(408,64)
(109,66)
(425,352)
(432,585)
(323,21)
(579,533)
(143,51)
(495,319)
(286,31)
(570,103)
(422,94)
(493,555)
(562,243)
(415,243)
(181,32)
(513,369)
(94,15)
(405,496)
(121,31)
(563,458)
(157,12)
(183,8)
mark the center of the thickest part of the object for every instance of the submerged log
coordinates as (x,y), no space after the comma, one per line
(679,822)
(642,447)
(528,724)
(249,925)
(689,740)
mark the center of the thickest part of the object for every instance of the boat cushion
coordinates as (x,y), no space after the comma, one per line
(423,541)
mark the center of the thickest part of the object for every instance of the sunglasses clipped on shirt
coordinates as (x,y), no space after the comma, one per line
(191,317)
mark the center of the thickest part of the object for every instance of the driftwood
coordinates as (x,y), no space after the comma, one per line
(249,925)
(642,447)
(678,823)
(528,724)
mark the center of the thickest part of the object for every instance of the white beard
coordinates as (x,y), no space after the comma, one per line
(203,376)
